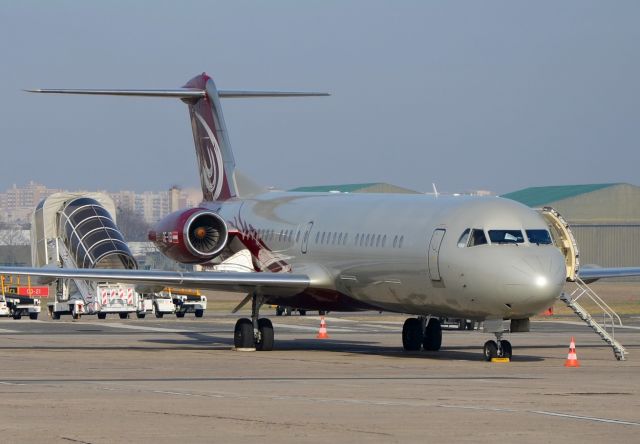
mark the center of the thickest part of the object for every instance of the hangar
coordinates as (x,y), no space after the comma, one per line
(604,218)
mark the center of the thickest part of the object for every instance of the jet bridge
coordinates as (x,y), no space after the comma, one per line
(78,230)
(563,238)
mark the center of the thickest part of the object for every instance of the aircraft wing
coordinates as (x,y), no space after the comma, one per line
(274,284)
(595,273)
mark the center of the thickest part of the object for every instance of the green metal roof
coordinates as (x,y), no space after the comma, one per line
(537,196)
(346,188)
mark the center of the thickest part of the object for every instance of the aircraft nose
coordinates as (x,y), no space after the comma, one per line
(536,279)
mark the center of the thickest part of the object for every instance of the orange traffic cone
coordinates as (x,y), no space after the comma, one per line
(322,333)
(572,358)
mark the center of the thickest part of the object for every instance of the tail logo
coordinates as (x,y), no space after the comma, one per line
(211,165)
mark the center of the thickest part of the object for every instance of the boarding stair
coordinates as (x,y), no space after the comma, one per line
(84,287)
(610,319)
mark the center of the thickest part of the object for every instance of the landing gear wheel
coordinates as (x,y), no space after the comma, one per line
(102,316)
(490,350)
(199,313)
(179,314)
(432,340)
(123,315)
(33,316)
(412,334)
(243,334)
(266,335)
(506,349)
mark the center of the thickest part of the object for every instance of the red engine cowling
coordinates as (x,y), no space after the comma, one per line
(191,236)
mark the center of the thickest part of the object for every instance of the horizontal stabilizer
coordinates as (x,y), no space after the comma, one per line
(182,93)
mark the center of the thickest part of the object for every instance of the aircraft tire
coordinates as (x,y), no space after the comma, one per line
(490,350)
(507,351)
(412,334)
(243,334)
(433,335)
(266,335)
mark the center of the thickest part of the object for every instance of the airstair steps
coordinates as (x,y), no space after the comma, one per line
(606,329)
(88,293)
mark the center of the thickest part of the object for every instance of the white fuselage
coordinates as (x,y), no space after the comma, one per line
(375,251)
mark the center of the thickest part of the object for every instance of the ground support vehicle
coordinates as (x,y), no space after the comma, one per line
(189,304)
(288,311)
(19,306)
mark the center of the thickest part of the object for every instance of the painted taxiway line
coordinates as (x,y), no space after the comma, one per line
(5,330)
(305,328)
(630,327)
(137,327)
(389,403)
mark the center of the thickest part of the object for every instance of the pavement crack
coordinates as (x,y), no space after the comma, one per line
(259,421)
(66,438)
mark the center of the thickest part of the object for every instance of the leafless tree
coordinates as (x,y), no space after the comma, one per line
(132,225)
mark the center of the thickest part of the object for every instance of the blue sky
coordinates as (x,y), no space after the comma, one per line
(495,95)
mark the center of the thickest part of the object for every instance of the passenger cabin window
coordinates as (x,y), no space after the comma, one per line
(506,236)
(477,237)
(539,237)
(464,239)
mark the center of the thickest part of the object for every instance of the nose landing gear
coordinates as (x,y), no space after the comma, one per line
(501,348)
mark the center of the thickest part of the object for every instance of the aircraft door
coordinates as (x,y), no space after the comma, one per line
(434,253)
(305,239)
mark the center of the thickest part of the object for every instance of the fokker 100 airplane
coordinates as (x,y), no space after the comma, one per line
(487,259)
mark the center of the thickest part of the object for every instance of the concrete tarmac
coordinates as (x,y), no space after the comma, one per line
(169,380)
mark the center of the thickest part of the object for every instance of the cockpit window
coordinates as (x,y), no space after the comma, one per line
(477,237)
(462,242)
(539,237)
(506,236)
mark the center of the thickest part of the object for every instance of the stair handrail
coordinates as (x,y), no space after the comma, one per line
(600,302)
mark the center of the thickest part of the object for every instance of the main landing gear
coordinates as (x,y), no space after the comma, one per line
(500,348)
(418,333)
(255,333)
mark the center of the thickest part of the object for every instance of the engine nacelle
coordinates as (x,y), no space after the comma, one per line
(191,236)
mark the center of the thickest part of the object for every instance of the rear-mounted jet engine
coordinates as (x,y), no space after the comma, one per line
(193,236)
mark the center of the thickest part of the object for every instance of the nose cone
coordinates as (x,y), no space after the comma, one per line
(535,279)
